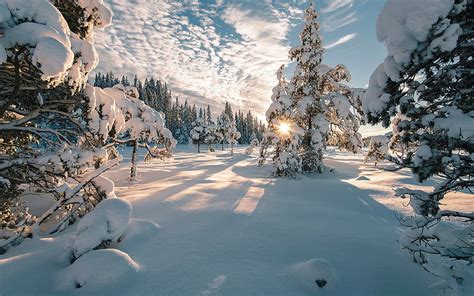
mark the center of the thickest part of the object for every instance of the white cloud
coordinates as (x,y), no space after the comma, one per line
(341,40)
(334,5)
(181,44)
(338,14)
(207,53)
(339,20)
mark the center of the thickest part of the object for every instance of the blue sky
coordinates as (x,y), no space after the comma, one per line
(211,51)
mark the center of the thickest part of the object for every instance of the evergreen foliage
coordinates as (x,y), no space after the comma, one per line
(425,87)
(325,108)
(180,116)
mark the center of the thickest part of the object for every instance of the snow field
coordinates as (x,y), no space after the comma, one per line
(228,228)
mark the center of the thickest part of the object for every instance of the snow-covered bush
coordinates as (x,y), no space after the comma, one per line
(378,149)
(314,275)
(99,228)
(426,82)
(325,108)
(98,268)
(282,134)
(45,147)
(253,144)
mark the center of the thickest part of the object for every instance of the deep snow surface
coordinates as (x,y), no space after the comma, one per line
(228,228)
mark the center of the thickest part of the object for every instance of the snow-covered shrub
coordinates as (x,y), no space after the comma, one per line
(378,149)
(253,144)
(98,268)
(99,228)
(426,82)
(45,147)
(314,275)
(325,108)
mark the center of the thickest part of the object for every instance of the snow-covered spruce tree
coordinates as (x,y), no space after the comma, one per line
(427,78)
(325,107)
(198,132)
(223,124)
(45,148)
(378,149)
(118,116)
(254,139)
(233,136)
(211,134)
(282,134)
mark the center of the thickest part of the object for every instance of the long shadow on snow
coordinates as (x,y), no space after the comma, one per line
(186,182)
(295,220)
(337,221)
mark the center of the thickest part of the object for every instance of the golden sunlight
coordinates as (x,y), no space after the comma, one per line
(284,128)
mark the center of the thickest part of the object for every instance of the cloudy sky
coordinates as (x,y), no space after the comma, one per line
(212,51)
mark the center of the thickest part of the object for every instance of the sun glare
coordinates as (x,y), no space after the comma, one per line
(284,128)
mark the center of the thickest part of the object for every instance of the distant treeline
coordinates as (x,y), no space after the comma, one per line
(179,115)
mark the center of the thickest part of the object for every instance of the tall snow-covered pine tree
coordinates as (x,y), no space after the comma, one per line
(325,107)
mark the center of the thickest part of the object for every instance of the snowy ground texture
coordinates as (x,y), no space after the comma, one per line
(222,226)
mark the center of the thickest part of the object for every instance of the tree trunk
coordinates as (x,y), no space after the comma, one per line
(222,145)
(133,170)
(232,149)
(199,147)
(309,138)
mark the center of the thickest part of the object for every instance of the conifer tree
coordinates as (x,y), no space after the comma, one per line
(324,106)
(426,84)
(233,136)
(208,115)
(45,147)
(223,124)
(198,132)
(282,133)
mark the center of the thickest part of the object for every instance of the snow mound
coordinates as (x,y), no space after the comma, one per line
(316,274)
(363,178)
(138,229)
(100,268)
(106,223)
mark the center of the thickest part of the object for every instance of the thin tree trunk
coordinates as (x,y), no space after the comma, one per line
(222,145)
(133,170)
(232,149)
(199,147)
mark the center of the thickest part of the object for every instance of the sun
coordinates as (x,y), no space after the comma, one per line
(284,128)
